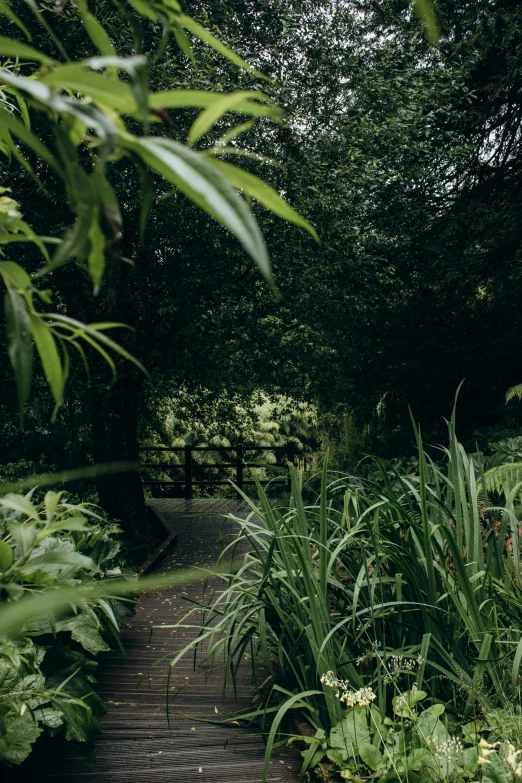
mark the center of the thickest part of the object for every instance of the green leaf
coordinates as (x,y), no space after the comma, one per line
(415,759)
(6,556)
(49,356)
(23,534)
(69,523)
(112,93)
(425,12)
(337,754)
(51,503)
(85,631)
(217,109)
(429,725)
(202,99)
(143,8)
(352,732)
(8,121)
(19,344)
(8,676)
(183,41)
(136,67)
(262,192)
(49,717)
(414,696)
(207,37)
(95,30)
(20,504)
(32,682)
(24,111)
(27,235)
(371,756)
(96,257)
(93,330)
(15,275)
(60,558)
(12,48)
(516,666)
(202,183)
(20,733)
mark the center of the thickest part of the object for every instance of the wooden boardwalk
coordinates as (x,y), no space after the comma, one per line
(137,744)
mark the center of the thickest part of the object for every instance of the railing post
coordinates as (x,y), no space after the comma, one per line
(188,473)
(239,468)
(290,457)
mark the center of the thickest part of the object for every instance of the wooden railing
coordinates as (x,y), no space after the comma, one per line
(236,456)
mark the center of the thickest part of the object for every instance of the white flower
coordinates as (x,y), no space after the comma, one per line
(449,749)
(363,697)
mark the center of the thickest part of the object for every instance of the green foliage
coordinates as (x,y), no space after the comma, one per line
(412,744)
(205,419)
(47,673)
(406,584)
(515,393)
(89,107)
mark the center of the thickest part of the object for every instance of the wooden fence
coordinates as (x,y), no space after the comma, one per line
(235,457)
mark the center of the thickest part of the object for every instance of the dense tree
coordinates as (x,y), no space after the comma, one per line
(103,238)
(405,157)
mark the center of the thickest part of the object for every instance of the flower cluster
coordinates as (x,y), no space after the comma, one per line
(449,749)
(363,697)
(399,664)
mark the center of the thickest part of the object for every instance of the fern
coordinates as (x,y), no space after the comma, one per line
(502,479)
(514,392)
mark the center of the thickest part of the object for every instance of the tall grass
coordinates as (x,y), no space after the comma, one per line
(384,582)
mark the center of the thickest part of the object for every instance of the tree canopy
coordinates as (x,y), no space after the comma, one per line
(403,155)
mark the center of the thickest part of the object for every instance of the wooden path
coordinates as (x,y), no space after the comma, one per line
(137,744)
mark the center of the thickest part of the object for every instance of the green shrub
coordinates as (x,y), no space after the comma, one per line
(368,580)
(47,674)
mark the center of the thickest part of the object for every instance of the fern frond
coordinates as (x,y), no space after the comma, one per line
(502,478)
(515,391)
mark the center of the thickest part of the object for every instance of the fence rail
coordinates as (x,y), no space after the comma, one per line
(283,454)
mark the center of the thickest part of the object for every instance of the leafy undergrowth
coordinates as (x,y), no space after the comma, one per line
(47,674)
(405,588)
(416,743)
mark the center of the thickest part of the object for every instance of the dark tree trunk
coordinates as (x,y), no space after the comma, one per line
(114,421)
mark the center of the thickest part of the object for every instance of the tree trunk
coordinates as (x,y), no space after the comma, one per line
(114,422)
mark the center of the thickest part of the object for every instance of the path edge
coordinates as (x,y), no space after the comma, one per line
(168,543)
